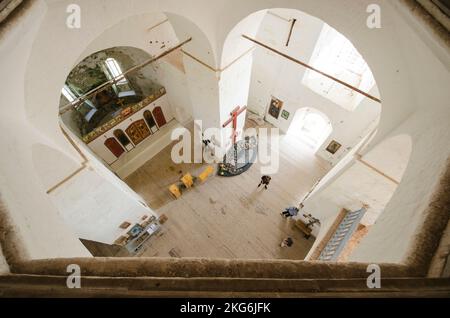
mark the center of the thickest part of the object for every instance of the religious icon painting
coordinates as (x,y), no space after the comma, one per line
(275,107)
(333,147)
(285,115)
(126,112)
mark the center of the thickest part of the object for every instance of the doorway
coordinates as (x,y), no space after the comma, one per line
(159,116)
(311,127)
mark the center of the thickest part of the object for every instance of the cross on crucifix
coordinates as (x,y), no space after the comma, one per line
(121,101)
(234,116)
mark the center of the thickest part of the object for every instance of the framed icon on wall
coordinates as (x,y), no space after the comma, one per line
(285,115)
(275,107)
(333,147)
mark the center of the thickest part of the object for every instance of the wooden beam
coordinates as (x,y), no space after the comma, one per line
(157,25)
(290,58)
(218,70)
(66,179)
(279,16)
(200,61)
(74,145)
(360,159)
(290,31)
(237,59)
(84,164)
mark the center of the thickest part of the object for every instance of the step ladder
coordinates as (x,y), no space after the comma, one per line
(342,235)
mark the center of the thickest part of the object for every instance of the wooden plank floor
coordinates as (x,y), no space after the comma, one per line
(229,217)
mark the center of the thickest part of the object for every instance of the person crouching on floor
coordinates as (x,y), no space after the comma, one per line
(265,180)
(287,242)
(290,212)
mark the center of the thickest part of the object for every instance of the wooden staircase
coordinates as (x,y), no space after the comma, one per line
(342,235)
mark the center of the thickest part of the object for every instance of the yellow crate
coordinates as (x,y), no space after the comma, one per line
(188,180)
(206,173)
(175,190)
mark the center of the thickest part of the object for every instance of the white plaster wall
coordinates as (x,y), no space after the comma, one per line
(98,221)
(400,97)
(390,238)
(402,64)
(235,45)
(4,268)
(89,204)
(204,93)
(340,168)
(98,17)
(278,77)
(102,171)
(391,156)
(110,12)
(357,186)
(430,134)
(273,30)
(403,214)
(46,162)
(202,78)
(94,208)
(379,47)
(44,233)
(176,85)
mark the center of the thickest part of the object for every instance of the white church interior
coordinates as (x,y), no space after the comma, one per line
(91,107)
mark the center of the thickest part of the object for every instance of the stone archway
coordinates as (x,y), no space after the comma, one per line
(311,126)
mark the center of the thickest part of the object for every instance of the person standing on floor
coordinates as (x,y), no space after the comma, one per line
(287,242)
(290,212)
(265,180)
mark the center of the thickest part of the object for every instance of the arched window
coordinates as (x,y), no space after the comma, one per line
(115,71)
(336,55)
(123,139)
(68,94)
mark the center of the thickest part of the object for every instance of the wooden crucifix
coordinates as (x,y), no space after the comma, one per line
(234,116)
(121,102)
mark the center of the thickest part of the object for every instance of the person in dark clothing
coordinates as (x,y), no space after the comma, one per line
(265,180)
(290,212)
(206,142)
(287,242)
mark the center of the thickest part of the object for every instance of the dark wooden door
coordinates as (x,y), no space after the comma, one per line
(113,145)
(150,120)
(138,131)
(123,139)
(159,116)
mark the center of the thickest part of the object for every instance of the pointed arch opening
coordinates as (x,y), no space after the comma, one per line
(311,126)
